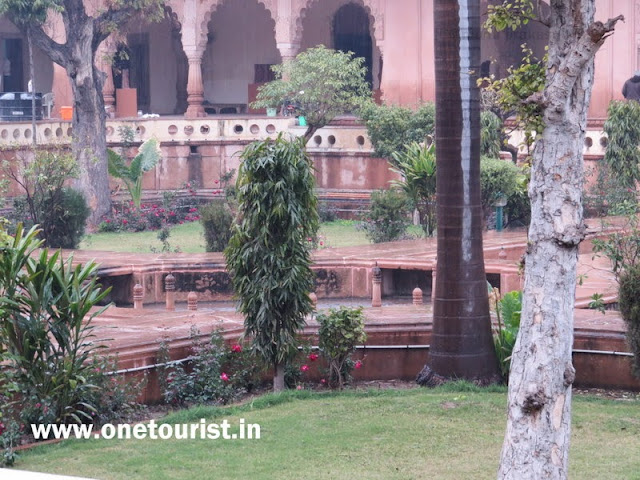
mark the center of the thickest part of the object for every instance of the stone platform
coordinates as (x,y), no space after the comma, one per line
(398,332)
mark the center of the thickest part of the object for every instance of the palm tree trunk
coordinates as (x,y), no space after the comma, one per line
(32,75)
(462,344)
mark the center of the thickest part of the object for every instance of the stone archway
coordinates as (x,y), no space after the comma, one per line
(240,48)
(316,23)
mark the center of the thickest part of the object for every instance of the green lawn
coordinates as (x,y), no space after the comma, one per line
(189,239)
(454,433)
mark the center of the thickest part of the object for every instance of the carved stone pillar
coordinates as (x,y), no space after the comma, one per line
(106,51)
(195,86)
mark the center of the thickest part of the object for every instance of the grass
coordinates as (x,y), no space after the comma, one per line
(189,238)
(450,433)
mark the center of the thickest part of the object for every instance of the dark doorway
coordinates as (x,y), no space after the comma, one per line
(351,34)
(12,69)
(139,77)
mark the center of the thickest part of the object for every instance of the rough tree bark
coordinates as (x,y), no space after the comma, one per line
(536,444)
(84,34)
(462,344)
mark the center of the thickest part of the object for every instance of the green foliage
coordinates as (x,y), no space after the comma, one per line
(268,256)
(490,134)
(46,311)
(60,211)
(417,165)
(388,217)
(392,128)
(630,310)
(24,12)
(511,95)
(510,14)
(497,178)
(622,248)
(340,332)
(620,171)
(323,83)
(215,373)
(518,209)
(507,311)
(148,156)
(216,219)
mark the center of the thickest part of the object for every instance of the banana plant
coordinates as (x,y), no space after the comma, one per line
(148,155)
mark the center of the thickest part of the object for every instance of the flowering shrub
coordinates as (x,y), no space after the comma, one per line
(215,373)
(340,331)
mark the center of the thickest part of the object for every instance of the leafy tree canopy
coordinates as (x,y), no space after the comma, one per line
(321,82)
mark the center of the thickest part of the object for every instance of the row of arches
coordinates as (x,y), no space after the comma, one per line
(231,44)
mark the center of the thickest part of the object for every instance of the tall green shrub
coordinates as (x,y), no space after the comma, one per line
(497,178)
(268,255)
(341,330)
(630,310)
(388,217)
(216,219)
(46,309)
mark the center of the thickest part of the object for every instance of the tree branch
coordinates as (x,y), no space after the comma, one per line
(566,74)
(54,50)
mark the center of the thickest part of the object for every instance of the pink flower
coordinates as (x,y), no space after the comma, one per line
(107,221)
(299,387)
(38,405)
(236,348)
(192,209)
(321,243)
(124,221)
(313,357)
(224,377)
(304,368)
(358,365)
(172,214)
(2,428)
(323,381)
(216,182)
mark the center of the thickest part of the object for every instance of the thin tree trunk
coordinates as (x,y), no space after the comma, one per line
(462,344)
(278,378)
(536,444)
(32,74)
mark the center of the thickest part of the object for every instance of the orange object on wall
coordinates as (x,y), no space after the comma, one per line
(66,113)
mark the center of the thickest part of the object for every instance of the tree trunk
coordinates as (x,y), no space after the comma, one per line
(462,344)
(536,444)
(89,148)
(278,378)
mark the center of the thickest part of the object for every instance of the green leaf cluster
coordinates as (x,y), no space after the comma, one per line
(511,93)
(498,178)
(417,166)
(46,309)
(510,14)
(268,255)
(630,310)
(149,154)
(341,330)
(388,216)
(323,83)
(507,309)
(392,128)
(622,157)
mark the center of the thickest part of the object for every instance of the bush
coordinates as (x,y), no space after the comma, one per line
(46,310)
(216,220)
(497,178)
(339,333)
(327,213)
(215,374)
(392,128)
(60,211)
(490,134)
(507,310)
(388,218)
(630,310)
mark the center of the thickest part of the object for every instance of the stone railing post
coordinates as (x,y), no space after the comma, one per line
(376,293)
(170,290)
(138,295)
(192,301)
